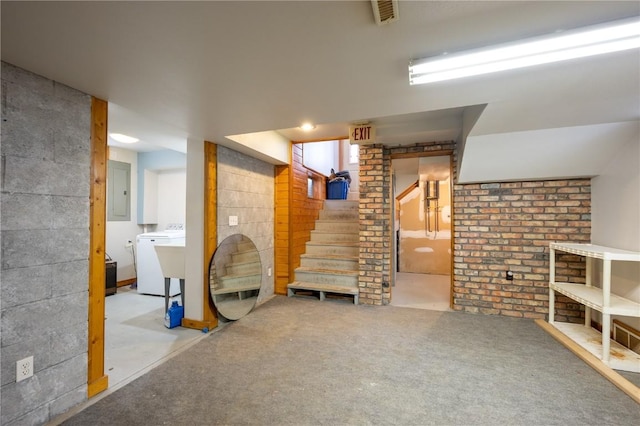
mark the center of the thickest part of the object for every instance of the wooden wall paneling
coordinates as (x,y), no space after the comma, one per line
(282,233)
(97,381)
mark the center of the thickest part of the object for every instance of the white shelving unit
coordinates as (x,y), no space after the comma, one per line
(601,299)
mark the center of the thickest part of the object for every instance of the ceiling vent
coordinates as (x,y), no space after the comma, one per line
(385,11)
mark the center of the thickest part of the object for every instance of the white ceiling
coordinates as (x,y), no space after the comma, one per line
(207,70)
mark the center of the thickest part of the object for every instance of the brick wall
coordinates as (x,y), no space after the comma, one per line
(508,226)
(496,227)
(375,216)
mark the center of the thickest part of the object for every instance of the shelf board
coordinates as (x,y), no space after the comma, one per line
(597,252)
(620,358)
(592,297)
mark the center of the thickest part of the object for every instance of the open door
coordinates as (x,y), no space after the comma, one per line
(422,231)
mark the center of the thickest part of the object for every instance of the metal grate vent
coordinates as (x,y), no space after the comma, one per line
(385,11)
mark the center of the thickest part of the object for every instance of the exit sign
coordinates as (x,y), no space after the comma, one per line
(362,134)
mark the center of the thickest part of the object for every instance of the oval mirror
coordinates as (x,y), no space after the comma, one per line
(235,276)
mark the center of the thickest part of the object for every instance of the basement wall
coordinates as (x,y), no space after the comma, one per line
(496,227)
(508,226)
(246,190)
(45,245)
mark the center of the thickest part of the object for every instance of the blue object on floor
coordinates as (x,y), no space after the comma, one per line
(174,315)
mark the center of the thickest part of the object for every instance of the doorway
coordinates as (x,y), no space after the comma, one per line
(422,232)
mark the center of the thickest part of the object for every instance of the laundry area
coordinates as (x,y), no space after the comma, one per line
(146,196)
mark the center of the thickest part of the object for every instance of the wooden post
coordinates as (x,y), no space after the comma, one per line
(97,381)
(209,315)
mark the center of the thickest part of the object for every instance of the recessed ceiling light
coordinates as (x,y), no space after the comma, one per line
(123,138)
(307,127)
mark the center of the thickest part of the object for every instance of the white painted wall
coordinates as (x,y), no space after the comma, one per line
(615,215)
(119,232)
(194,226)
(321,156)
(172,187)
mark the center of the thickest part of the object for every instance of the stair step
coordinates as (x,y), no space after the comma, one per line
(334,237)
(322,289)
(243,268)
(329,261)
(242,280)
(341,204)
(342,249)
(245,256)
(337,226)
(327,276)
(341,214)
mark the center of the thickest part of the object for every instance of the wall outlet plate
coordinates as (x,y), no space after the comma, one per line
(24,368)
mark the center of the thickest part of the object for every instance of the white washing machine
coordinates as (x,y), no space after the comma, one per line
(150,279)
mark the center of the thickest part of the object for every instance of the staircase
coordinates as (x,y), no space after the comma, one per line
(330,263)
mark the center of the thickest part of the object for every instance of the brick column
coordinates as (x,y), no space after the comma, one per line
(374,225)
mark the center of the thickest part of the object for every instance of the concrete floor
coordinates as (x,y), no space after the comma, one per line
(135,336)
(421,291)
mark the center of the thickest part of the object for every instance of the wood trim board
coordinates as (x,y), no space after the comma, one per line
(610,374)
(97,381)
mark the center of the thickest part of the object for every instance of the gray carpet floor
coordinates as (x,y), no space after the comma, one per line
(299,361)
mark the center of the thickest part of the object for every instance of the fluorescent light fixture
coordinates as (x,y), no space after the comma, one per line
(123,138)
(588,41)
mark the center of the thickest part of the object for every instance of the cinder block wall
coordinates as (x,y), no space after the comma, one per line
(246,189)
(508,226)
(45,244)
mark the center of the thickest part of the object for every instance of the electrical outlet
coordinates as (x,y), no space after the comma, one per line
(24,368)
(128,244)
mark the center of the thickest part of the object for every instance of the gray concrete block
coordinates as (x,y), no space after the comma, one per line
(70,212)
(29,80)
(45,386)
(72,134)
(66,93)
(37,346)
(27,175)
(72,181)
(72,146)
(27,134)
(36,417)
(43,317)
(28,248)
(38,176)
(70,277)
(26,285)
(26,211)
(67,401)
(68,342)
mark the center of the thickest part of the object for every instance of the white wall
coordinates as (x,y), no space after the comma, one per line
(321,156)
(172,186)
(119,232)
(615,216)
(194,227)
